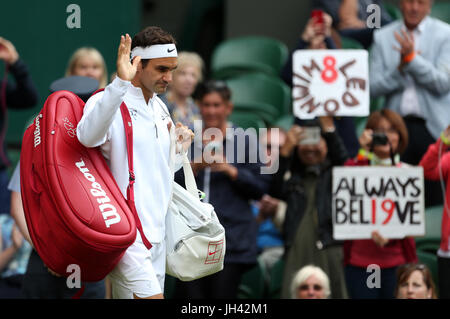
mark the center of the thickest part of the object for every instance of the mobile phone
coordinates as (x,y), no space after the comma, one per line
(379,139)
(312,135)
(317,15)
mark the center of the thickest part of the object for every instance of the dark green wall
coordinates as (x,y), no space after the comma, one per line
(38,30)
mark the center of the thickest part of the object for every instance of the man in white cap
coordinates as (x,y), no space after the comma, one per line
(141,271)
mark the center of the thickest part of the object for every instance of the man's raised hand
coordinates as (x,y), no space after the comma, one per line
(125,69)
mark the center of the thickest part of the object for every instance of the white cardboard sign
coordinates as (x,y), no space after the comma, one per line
(330,82)
(387,199)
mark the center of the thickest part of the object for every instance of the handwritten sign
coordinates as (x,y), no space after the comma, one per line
(330,82)
(387,199)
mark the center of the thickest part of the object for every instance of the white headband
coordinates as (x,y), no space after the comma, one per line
(155,51)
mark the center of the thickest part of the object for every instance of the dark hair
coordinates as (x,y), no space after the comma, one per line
(150,36)
(213,86)
(397,123)
(405,271)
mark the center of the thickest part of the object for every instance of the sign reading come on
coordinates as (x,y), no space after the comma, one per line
(330,82)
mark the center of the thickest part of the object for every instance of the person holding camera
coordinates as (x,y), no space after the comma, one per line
(383,140)
(308,156)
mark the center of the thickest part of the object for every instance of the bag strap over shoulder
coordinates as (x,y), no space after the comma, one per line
(128,126)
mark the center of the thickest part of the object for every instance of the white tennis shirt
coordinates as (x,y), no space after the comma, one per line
(102,125)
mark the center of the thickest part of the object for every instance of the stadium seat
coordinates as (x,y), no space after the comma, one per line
(285,122)
(431,241)
(248,54)
(430,260)
(393,10)
(246,120)
(349,43)
(360,124)
(276,279)
(252,283)
(441,11)
(264,92)
(264,111)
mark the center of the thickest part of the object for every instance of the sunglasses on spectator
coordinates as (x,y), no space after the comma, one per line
(416,266)
(387,132)
(216,84)
(306,287)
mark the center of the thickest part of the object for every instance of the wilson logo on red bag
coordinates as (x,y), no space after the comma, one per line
(75,212)
(105,207)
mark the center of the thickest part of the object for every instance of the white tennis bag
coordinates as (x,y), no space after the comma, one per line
(195,239)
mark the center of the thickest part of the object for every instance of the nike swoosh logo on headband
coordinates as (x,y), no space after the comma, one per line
(169,51)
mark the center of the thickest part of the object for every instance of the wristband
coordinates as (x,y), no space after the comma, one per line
(444,139)
(363,154)
(329,129)
(409,57)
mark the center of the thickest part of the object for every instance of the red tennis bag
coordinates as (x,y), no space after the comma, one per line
(74,209)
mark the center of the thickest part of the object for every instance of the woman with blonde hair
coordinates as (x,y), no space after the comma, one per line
(178,98)
(87,61)
(310,282)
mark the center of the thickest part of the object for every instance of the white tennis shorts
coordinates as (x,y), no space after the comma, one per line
(140,272)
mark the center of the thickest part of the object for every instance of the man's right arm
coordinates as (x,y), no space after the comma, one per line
(100,109)
(99,113)
(382,81)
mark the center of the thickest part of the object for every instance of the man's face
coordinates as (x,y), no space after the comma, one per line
(157,74)
(414,11)
(313,154)
(214,110)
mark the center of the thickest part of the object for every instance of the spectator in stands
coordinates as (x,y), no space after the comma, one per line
(409,66)
(354,16)
(414,281)
(20,94)
(178,98)
(270,241)
(318,36)
(14,253)
(223,170)
(89,62)
(310,282)
(436,166)
(307,225)
(315,36)
(386,253)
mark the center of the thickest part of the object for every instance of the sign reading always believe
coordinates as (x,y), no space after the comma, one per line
(330,82)
(387,199)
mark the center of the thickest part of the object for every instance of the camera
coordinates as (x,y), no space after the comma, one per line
(379,139)
(312,135)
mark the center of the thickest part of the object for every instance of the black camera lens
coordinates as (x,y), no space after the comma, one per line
(379,139)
